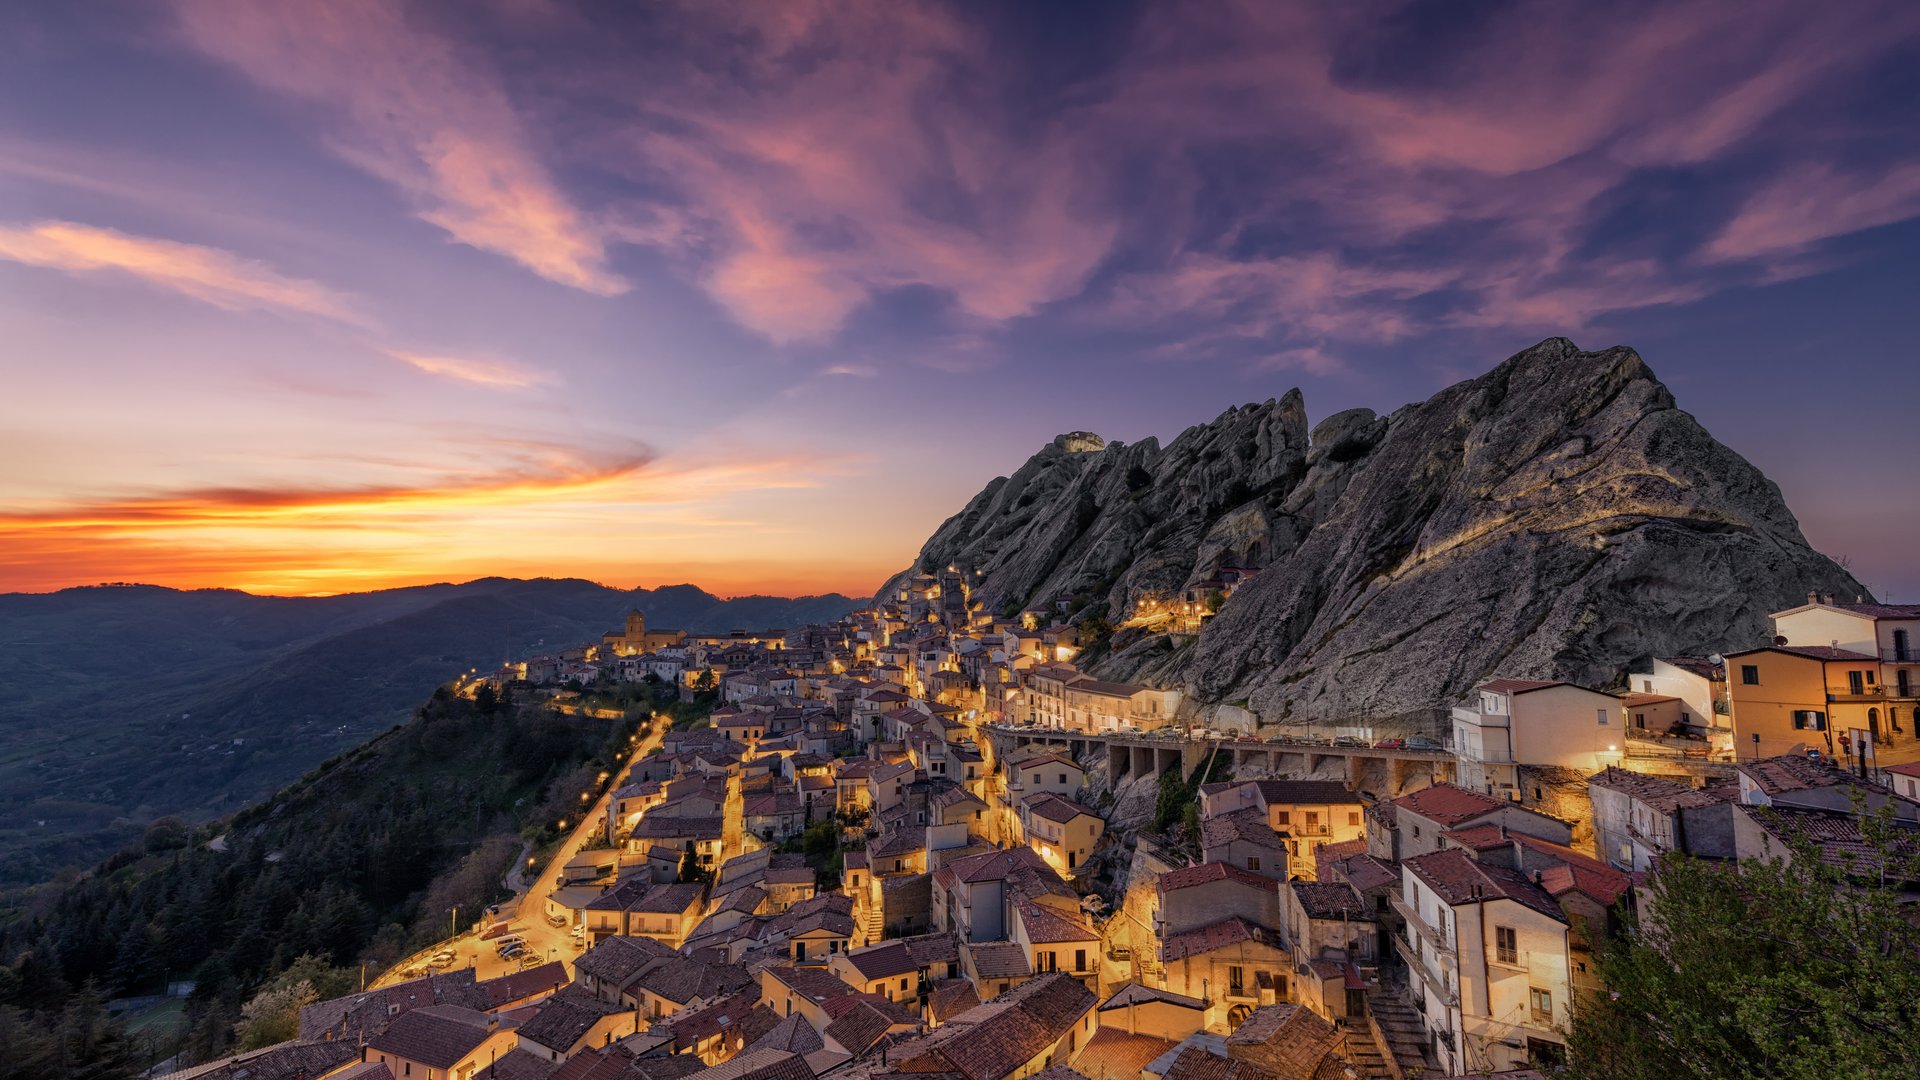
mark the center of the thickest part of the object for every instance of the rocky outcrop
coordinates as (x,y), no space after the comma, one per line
(1556,517)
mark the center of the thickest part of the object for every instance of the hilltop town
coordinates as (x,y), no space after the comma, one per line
(920,840)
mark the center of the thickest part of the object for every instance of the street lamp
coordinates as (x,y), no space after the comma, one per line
(453,923)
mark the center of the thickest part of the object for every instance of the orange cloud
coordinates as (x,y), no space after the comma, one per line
(418,115)
(207,274)
(626,517)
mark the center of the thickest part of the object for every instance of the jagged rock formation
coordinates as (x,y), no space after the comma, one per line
(1555,517)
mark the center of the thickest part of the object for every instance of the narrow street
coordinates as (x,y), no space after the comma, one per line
(529,921)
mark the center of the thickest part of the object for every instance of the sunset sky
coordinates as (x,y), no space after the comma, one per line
(318,297)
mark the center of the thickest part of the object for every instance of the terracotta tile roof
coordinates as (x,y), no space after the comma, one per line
(1134,993)
(1366,872)
(1327,854)
(1794,772)
(882,961)
(815,984)
(1041,759)
(950,997)
(1217,936)
(1331,900)
(1656,792)
(1248,825)
(523,984)
(991,1041)
(1446,804)
(1292,1040)
(670,899)
(281,1061)
(792,1034)
(990,866)
(1457,879)
(1045,926)
(515,1064)
(681,979)
(1883,611)
(1518,686)
(1113,1054)
(1476,837)
(564,1019)
(436,1036)
(617,960)
(1203,873)
(758,1065)
(1811,652)
(1054,808)
(1195,1063)
(864,1023)
(998,959)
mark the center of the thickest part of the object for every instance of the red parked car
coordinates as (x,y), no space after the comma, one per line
(1390,744)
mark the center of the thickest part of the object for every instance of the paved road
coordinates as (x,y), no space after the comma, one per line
(530,919)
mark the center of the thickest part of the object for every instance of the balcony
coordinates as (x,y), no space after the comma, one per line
(1434,939)
(1908,655)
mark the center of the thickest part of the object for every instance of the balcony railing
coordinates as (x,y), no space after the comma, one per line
(1434,938)
(1908,655)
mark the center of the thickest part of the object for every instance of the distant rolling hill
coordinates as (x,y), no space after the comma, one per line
(122,704)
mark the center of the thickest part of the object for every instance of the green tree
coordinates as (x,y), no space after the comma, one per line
(1797,967)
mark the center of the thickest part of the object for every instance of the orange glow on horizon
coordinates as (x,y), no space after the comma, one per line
(630,520)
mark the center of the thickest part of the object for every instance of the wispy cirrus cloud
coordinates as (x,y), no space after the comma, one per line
(420,114)
(207,274)
(497,374)
(1808,205)
(855,151)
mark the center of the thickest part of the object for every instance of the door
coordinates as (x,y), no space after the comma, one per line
(1854,684)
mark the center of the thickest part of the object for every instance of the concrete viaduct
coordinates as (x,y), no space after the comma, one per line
(1381,773)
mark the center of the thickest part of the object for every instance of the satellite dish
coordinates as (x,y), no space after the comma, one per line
(1716,659)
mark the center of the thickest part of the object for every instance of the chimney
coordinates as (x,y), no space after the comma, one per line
(1812,597)
(1827,598)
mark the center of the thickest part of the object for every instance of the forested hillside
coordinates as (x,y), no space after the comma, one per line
(126,704)
(361,860)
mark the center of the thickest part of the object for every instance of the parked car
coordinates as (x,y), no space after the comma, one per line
(1350,740)
(530,961)
(444,956)
(1391,744)
(512,939)
(1421,742)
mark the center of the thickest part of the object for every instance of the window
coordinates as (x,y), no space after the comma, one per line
(1313,818)
(1253,862)
(1063,778)
(1601,716)
(1236,979)
(1079,959)
(1353,817)
(1750,674)
(1542,1003)
(1285,816)
(903,984)
(1506,945)
(1640,720)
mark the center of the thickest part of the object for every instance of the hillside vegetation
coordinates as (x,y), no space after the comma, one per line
(126,704)
(360,861)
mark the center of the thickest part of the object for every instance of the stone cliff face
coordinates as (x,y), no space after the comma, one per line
(1557,517)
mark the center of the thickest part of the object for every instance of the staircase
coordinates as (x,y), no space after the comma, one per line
(1364,1055)
(1406,1036)
(876,926)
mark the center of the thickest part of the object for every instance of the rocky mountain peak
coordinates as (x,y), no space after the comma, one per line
(1556,517)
